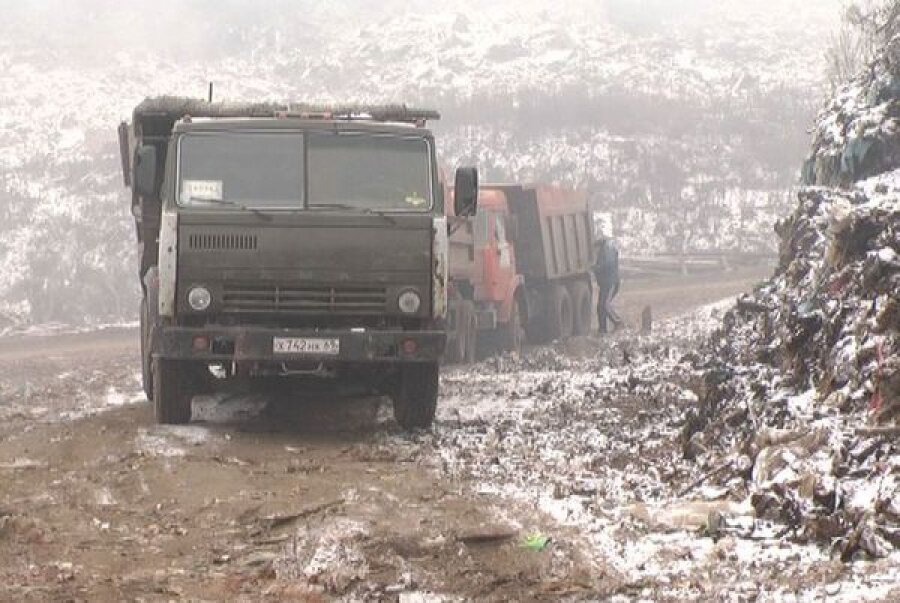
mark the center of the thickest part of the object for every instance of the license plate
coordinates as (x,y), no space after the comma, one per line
(306,345)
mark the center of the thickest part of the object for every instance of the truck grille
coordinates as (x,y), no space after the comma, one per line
(222,241)
(303,299)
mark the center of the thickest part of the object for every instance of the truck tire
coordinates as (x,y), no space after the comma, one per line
(537,325)
(511,334)
(562,316)
(415,398)
(470,351)
(583,307)
(455,350)
(172,391)
(146,360)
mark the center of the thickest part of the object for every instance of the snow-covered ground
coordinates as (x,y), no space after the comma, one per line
(589,433)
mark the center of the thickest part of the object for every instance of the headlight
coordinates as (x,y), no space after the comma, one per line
(199,298)
(409,302)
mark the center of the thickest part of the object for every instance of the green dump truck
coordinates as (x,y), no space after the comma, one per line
(292,242)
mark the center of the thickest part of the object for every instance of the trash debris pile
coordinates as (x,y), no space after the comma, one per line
(800,402)
(858,134)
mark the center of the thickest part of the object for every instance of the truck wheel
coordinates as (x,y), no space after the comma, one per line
(469,330)
(146,367)
(561,317)
(538,327)
(172,392)
(454,351)
(581,302)
(512,334)
(415,399)
(464,343)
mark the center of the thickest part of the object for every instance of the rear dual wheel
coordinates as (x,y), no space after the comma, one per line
(583,308)
(562,313)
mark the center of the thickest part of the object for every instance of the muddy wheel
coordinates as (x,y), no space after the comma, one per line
(454,352)
(146,368)
(512,334)
(583,310)
(415,399)
(562,316)
(470,334)
(172,391)
(456,339)
(537,325)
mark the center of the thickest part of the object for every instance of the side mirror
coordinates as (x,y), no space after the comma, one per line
(465,192)
(145,170)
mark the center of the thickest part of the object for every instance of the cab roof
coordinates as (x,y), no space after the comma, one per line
(231,124)
(194,114)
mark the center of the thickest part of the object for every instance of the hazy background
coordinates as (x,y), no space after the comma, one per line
(687,121)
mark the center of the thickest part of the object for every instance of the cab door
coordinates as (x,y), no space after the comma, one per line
(498,258)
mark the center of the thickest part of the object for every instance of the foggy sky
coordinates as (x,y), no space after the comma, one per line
(89,30)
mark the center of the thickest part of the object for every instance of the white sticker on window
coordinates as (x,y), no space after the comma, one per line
(201,190)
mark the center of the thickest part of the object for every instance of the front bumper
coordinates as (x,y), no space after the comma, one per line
(241,344)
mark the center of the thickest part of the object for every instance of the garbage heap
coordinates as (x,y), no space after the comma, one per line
(800,396)
(800,401)
(858,133)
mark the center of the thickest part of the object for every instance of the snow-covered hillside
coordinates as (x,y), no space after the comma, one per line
(633,100)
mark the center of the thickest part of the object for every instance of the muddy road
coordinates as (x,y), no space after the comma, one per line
(541,480)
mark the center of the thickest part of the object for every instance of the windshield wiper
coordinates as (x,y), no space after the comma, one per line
(231,203)
(347,206)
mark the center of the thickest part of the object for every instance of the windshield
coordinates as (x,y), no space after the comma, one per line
(369,172)
(252,170)
(245,169)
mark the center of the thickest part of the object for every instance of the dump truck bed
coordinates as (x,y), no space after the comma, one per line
(555,236)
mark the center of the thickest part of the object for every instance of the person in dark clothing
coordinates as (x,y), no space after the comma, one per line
(606,271)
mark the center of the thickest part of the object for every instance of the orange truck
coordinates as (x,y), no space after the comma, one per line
(520,270)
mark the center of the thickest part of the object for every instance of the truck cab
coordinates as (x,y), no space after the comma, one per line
(279,241)
(519,270)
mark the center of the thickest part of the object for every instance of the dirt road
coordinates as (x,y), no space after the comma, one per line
(265,497)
